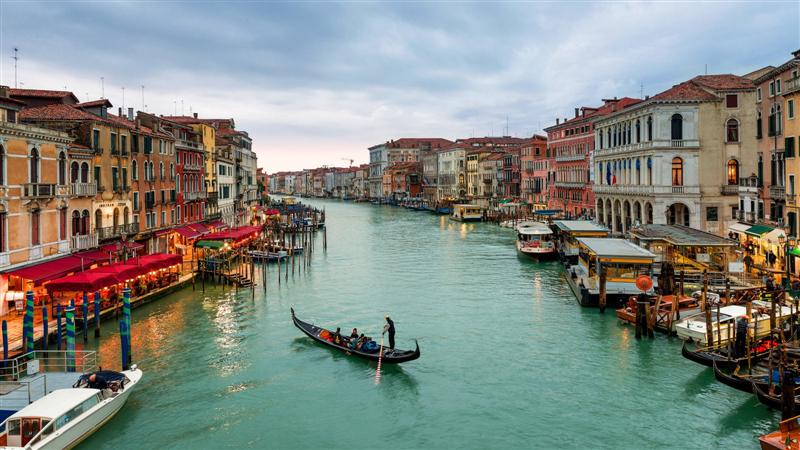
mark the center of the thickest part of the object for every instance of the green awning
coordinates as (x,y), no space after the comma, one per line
(216,245)
(758,230)
(795,251)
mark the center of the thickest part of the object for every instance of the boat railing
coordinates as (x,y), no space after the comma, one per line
(44,361)
(15,395)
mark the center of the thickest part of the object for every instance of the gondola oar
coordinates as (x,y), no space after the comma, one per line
(380,357)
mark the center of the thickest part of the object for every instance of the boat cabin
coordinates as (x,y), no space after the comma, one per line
(43,417)
(622,262)
(568,232)
(467,213)
(535,239)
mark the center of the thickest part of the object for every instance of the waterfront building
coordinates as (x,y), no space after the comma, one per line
(473,176)
(677,157)
(531,163)
(773,157)
(190,179)
(377,162)
(360,183)
(35,192)
(571,143)
(108,136)
(430,177)
(490,170)
(403,180)
(511,174)
(791,104)
(400,150)
(451,182)
(240,147)
(226,183)
(153,180)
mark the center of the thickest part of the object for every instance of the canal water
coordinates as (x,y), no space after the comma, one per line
(509,360)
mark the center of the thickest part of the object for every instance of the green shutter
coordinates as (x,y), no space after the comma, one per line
(788,147)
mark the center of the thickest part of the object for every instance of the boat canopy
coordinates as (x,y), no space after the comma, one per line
(580,226)
(55,404)
(537,228)
(607,248)
(680,236)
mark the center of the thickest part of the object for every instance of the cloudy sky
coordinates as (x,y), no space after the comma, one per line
(317,82)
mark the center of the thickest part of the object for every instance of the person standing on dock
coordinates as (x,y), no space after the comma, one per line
(389,327)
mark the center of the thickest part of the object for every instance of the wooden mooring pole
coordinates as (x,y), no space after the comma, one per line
(602,292)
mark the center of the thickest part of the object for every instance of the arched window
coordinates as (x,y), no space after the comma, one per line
(608,137)
(733,171)
(638,131)
(62,168)
(85,173)
(34,169)
(650,171)
(677,127)
(178,183)
(98,219)
(74,172)
(650,128)
(628,137)
(85,222)
(732,130)
(171,171)
(677,171)
(76,223)
(775,120)
(134,170)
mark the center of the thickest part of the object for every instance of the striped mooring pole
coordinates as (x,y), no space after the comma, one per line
(85,317)
(60,312)
(124,341)
(96,313)
(29,343)
(126,316)
(5,341)
(45,326)
(71,339)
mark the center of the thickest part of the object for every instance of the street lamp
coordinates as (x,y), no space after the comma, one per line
(784,241)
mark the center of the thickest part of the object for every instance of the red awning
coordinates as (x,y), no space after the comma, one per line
(187,232)
(163,232)
(121,272)
(94,256)
(50,270)
(199,227)
(84,281)
(217,224)
(160,261)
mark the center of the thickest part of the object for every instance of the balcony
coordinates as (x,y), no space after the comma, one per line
(213,216)
(663,144)
(83,189)
(83,242)
(128,229)
(188,144)
(189,196)
(38,190)
(570,184)
(565,158)
(121,189)
(97,150)
(791,85)
(777,192)
(729,189)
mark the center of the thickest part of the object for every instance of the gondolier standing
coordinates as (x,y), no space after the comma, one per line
(390,328)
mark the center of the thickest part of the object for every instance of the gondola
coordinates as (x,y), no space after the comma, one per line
(708,358)
(771,401)
(739,383)
(389,356)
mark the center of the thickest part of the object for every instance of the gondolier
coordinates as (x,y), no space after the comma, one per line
(389,327)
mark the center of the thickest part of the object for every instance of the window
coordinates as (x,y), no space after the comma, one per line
(161,170)
(2,165)
(163,218)
(3,231)
(791,185)
(771,88)
(778,86)
(775,120)
(638,131)
(134,170)
(114,178)
(97,178)
(788,147)
(62,224)
(712,214)
(123,144)
(758,94)
(758,125)
(677,171)
(649,128)
(96,139)
(113,143)
(148,145)
(134,143)
(733,171)
(35,238)
(34,169)
(790,109)
(677,127)
(732,101)
(135,201)
(171,171)
(125,178)
(74,170)
(732,127)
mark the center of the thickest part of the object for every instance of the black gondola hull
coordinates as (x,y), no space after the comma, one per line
(389,356)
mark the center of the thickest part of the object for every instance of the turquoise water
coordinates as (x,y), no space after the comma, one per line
(509,360)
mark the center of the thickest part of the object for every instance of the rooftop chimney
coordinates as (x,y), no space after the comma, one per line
(557,120)
(576,112)
(120,113)
(130,114)
(647,97)
(195,115)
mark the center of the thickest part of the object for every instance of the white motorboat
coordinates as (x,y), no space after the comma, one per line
(724,324)
(65,417)
(535,239)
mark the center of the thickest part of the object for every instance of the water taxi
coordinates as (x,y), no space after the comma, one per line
(65,417)
(621,261)
(535,239)
(467,213)
(724,324)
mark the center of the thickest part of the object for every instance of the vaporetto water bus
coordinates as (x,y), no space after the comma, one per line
(467,213)
(535,239)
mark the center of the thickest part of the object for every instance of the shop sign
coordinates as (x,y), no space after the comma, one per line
(736,267)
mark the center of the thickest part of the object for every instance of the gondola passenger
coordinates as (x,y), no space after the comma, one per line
(337,337)
(354,334)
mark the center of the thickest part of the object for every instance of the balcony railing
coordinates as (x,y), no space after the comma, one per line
(185,143)
(570,158)
(83,242)
(729,189)
(570,184)
(664,143)
(121,189)
(792,84)
(112,232)
(83,189)
(213,216)
(188,196)
(38,190)
(777,192)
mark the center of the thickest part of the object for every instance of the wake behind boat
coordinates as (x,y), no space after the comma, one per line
(389,356)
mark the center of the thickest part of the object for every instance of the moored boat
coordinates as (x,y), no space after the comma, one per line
(65,417)
(467,213)
(723,322)
(389,356)
(535,239)
(722,356)
(787,437)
